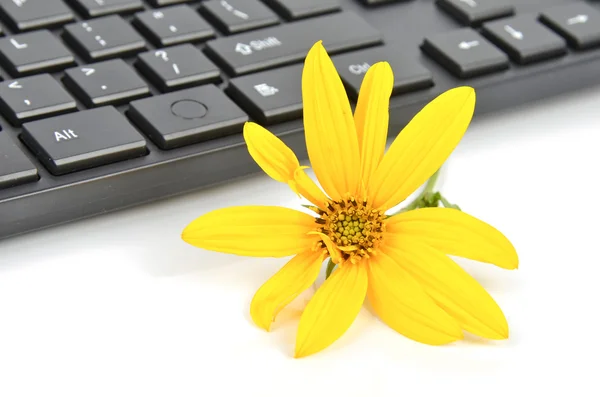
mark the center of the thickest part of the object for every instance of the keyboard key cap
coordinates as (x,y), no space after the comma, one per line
(270,97)
(35,14)
(159,3)
(106,83)
(15,167)
(76,141)
(474,12)
(173,25)
(409,74)
(34,52)
(188,116)
(289,43)
(465,53)
(578,23)
(177,67)
(235,16)
(34,97)
(377,2)
(296,9)
(104,37)
(97,8)
(525,39)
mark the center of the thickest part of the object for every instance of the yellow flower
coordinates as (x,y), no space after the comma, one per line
(400,262)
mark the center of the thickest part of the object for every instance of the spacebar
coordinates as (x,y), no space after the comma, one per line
(289,43)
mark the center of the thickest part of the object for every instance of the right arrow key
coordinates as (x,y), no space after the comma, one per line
(525,39)
(578,23)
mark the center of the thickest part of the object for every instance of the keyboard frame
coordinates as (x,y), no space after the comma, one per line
(59,199)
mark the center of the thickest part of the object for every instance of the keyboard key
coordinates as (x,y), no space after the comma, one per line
(525,39)
(289,43)
(578,23)
(158,3)
(409,74)
(34,97)
(188,116)
(270,97)
(35,14)
(34,52)
(177,67)
(296,9)
(474,12)
(104,37)
(76,141)
(15,167)
(377,2)
(465,53)
(235,16)
(97,8)
(106,83)
(173,25)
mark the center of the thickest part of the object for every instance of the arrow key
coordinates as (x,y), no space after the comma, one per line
(465,53)
(32,98)
(474,12)
(578,23)
(524,39)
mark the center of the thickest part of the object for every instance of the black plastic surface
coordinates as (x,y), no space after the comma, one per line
(162,173)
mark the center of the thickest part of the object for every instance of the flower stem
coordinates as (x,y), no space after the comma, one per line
(429,186)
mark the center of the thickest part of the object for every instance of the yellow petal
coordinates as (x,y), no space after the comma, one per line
(372,116)
(329,127)
(332,310)
(307,188)
(403,305)
(263,231)
(455,233)
(422,147)
(272,155)
(453,289)
(281,289)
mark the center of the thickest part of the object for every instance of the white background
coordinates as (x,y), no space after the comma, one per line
(120,306)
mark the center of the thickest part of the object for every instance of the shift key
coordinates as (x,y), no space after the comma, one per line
(77,141)
(289,43)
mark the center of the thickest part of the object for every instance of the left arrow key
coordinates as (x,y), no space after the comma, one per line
(33,98)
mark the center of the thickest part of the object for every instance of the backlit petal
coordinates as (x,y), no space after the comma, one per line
(270,153)
(453,289)
(332,309)
(263,231)
(401,303)
(372,116)
(455,233)
(422,147)
(281,289)
(329,126)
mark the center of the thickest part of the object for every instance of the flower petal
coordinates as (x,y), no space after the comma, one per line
(281,289)
(263,231)
(453,289)
(332,309)
(272,155)
(455,233)
(329,127)
(307,188)
(372,117)
(279,162)
(422,147)
(402,304)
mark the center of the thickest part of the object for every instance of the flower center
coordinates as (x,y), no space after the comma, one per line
(354,227)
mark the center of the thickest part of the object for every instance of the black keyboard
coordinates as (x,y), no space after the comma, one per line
(106,104)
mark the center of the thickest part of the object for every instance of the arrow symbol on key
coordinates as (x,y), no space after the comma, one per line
(513,32)
(578,19)
(88,71)
(15,85)
(465,45)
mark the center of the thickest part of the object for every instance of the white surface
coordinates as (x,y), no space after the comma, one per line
(120,306)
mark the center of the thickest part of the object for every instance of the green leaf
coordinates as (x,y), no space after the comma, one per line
(330,267)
